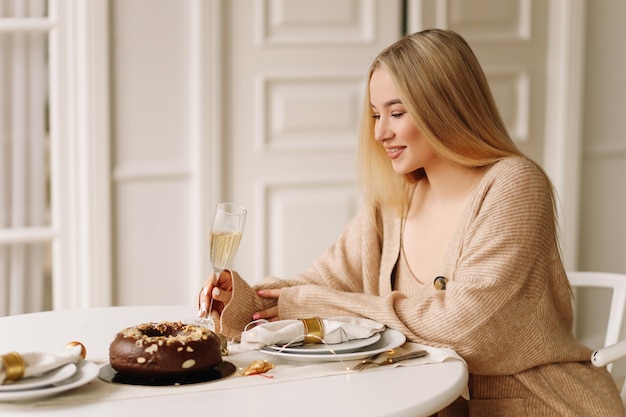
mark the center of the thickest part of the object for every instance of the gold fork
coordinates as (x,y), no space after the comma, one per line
(391,359)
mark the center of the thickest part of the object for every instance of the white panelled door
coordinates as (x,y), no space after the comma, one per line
(251,101)
(294,80)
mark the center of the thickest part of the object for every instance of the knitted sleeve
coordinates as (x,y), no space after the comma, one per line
(340,268)
(497,306)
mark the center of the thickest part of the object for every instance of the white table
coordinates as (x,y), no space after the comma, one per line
(404,391)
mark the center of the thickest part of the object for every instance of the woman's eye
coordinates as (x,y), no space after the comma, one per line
(376,116)
(397,115)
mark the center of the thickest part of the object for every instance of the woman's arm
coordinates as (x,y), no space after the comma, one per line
(339,268)
(497,303)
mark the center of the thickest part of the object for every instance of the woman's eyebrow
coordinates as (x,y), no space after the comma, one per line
(389,103)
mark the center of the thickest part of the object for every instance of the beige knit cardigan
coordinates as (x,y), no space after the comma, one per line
(506,309)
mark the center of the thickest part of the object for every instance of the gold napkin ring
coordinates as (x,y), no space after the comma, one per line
(313,330)
(14,366)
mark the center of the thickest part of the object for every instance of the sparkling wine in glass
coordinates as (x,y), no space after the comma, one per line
(224,245)
(226,233)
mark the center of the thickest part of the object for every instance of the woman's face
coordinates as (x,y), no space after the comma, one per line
(394,129)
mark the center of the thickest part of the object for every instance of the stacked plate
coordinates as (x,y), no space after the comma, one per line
(351,350)
(53,382)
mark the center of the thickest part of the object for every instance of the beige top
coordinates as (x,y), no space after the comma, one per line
(506,309)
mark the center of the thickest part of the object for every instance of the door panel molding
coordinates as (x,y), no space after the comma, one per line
(563,145)
(291,209)
(555,140)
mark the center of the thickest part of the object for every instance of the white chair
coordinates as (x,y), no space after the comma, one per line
(613,349)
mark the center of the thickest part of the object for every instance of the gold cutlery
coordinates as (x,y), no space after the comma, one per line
(389,360)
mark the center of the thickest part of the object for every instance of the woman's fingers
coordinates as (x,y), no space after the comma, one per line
(203,296)
(216,319)
(203,301)
(220,291)
(221,295)
(271,314)
(269,293)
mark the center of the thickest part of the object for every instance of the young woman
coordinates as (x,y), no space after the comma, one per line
(455,245)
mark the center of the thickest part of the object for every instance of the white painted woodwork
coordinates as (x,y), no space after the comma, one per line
(61,68)
(153,135)
(532,54)
(79,154)
(509,38)
(602,169)
(276,120)
(564,116)
(257,101)
(25,232)
(294,82)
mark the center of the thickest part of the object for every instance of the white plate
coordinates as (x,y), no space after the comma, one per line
(390,339)
(86,372)
(343,347)
(49,378)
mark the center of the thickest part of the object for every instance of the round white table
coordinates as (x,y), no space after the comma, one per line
(413,391)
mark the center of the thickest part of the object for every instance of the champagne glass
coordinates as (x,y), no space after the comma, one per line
(226,233)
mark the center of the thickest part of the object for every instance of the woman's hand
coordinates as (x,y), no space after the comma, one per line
(271,314)
(221,293)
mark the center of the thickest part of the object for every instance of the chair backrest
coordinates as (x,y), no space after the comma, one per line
(612,349)
(612,281)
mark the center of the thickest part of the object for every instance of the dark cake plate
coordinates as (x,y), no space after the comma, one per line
(222,370)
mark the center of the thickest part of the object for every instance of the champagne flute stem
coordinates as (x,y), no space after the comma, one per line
(217,279)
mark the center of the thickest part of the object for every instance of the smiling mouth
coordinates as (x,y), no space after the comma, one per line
(392,151)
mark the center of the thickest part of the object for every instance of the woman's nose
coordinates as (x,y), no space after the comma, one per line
(382,130)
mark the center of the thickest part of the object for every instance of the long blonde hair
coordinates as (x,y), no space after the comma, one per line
(445,91)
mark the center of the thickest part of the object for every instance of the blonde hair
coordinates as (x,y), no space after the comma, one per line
(445,91)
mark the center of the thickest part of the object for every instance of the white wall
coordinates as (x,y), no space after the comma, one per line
(602,243)
(153,173)
(191,125)
(603,206)
(151,158)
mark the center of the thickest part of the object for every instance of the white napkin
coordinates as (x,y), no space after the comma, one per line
(336,330)
(37,363)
